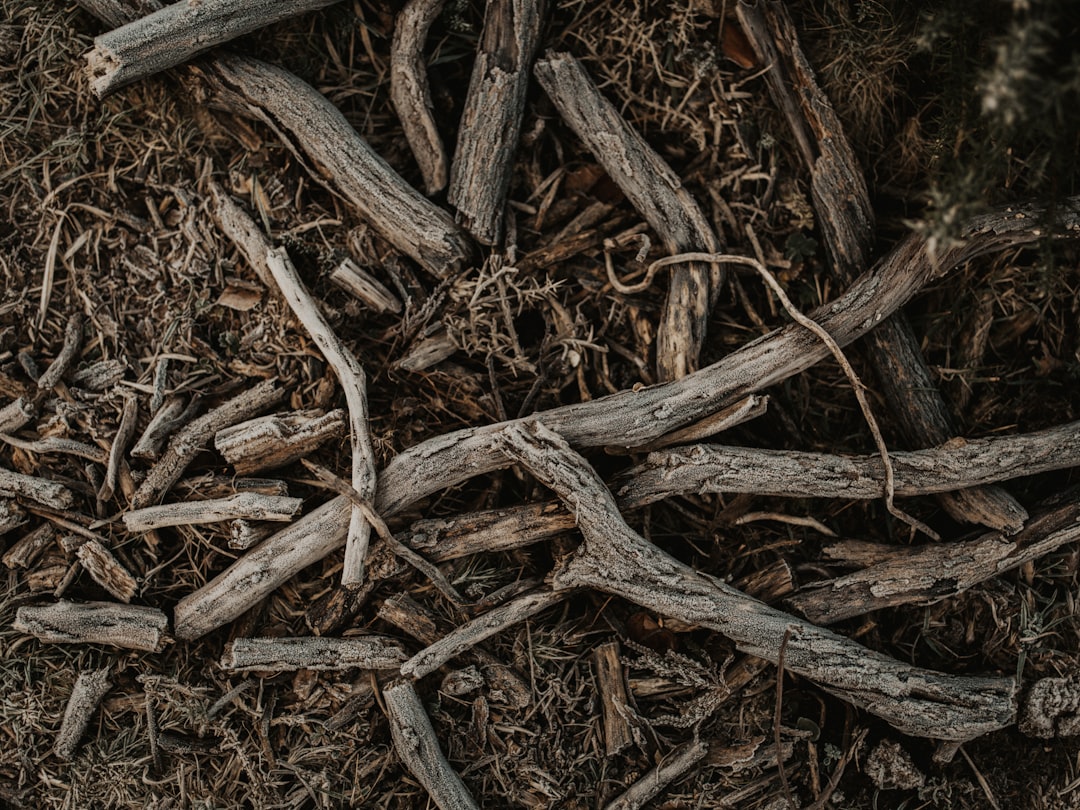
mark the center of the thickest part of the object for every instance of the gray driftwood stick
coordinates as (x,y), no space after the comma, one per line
(491,121)
(846,216)
(418,748)
(15,415)
(411,93)
(129,626)
(178,32)
(749,408)
(90,687)
(40,490)
(125,432)
(167,419)
(58,444)
(252,505)
(186,444)
(106,570)
(482,627)
(244,534)
(657,193)
(616,560)
(291,654)
(629,418)
(674,766)
(614,700)
(442,539)
(364,287)
(66,356)
(243,231)
(273,441)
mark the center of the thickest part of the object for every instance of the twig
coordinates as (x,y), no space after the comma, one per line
(16,414)
(66,356)
(251,505)
(124,434)
(48,493)
(129,626)
(614,700)
(106,570)
(90,687)
(164,421)
(290,654)
(58,444)
(674,766)
(279,439)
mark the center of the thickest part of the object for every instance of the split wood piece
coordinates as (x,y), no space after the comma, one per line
(129,626)
(125,432)
(249,505)
(482,627)
(657,193)
(29,547)
(274,441)
(749,408)
(933,572)
(491,121)
(12,515)
(959,464)
(411,93)
(364,287)
(674,766)
(243,535)
(40,490)
(402,611)
(106,570)
(616,560)
(351,376)
(187,444)
(614,701)
(178,32)
(846,216)
(418,748)
(168,418)
(635,417)
(290,654)
(90,687)
(16,415)
(66,356)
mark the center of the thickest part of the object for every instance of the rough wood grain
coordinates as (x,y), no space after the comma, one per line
(28,547)
(125,432)
(290,654)
(418,748)
(673,766)
(165,420)
(410,91)
(491,121)
(128,626)
(178,32)
(243,231)
(364,287)
(12,516)
(442,539)
(614,700)
(616,560)
(90,687)
(16,414)
(66,356)
(846,217)
(274,441)
(243,534)
(48,493)
(106,570)
(657,194)
(252,505)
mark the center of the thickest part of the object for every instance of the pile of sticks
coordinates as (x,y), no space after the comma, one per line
(667,420)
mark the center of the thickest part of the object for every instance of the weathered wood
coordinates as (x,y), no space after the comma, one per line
(48,493)
(90,687)
(657,194)
(28,547)
(673,766)
(491,121)
(167,419)
(106,570)
(178,32)
(410,91)
(250,505)
(129,626)
(187,444)
(418,748)
(364,287)
(614,700)
(12,516)
(57,444)
(616,560)
(482,627)
(442,539)
(402,611)
(290,654)
(125,432)
(430,350)
(846,217)
(17,414)
(243,231)
(66,356)
(749,408)
(243,534)
(279,439)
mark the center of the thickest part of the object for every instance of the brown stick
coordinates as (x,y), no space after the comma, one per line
(12,516)
(125,432)
(165,420)
(411,93)
(491,121)
(66,356)
(128,626)
(17,485)
(290,654)
(106,570)
(252,505)
(846,217)
(616,560)
(90,687)
(364,287)
(674,766)
(657,193)
(614,700)
(23,553)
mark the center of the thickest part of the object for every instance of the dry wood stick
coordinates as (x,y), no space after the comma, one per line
(243,535)
(364,287)
(354,382)
(58,444)
(129,626)
(846,216)
(178,32)
(90,687)
(125,432)
(290,654)
(279,439)
(106,570)
(236,224)
(251,505)
(674,766)
(12,515)
(657,193)
(491,121)
(165,420)
(66,356)
(614,701)
(616,560)
(629,418)
(17,485)
(411,93)
(749,408)
(186,444)
(418,748)
(27,549)
(16,414)
(442,539)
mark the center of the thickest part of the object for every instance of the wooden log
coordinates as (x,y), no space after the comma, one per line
(491,121)
(17,414)
(40,490)
(69,350)
(128,626)
(106,570)
(410,91)
(251,505)
(274,441)
(125,432)
(90,687)
(614,700)
(179,32)
(657,194)
(674,766)
(418,748)
(163,423)
(290,654)
(29,547)
(846,217)
(187,444)
(616,560)
(364,287)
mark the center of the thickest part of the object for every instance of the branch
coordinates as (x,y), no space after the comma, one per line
(674,766)
(129,626)
(90,687)
(290,654)
(252,505)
